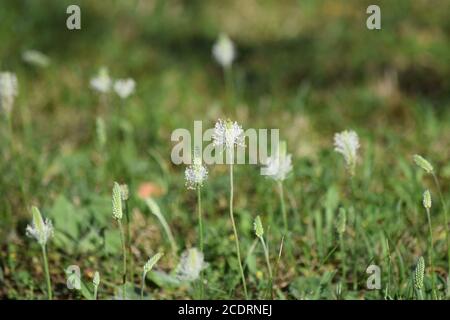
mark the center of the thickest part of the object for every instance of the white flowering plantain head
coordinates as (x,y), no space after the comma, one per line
(124,87)
(117,210)
(8,91)
(195,174)
(228,134)
(347,144)
(40,230)
(279,165)
(224,51)
(101,82)
(190,265)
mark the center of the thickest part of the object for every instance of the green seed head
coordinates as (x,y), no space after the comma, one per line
(117,201)
(423,163)
(152,261)
(419,273)
(124,192)
(96,280)
(427,199)
(341,221)
(259,230)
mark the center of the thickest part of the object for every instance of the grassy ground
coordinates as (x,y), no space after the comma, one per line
(309,68)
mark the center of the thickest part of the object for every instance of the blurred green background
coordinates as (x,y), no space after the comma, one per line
(309,68)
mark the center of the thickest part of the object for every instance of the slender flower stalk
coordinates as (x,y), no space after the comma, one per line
(195,176)
(42,232)
(147,268)
(427,206)
(278,167)
(428,168)
(347,144)
(96,283)
(227,135)
(340,228)
(117,209)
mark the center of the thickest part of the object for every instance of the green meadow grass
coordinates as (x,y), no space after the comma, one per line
(309,68)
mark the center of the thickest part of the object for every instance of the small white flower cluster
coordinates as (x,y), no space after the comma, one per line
(224,51)
(8,91)
(195,174)
(40,230)
(103,83)
(280,165)
(228,134)
(124,87)
(347,144)
(190,265)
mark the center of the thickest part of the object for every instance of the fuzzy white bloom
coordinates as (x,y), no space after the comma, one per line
(124,87)
(195,174)
(101,82)
(228,134)
(36,58)
(347,143)
(279,165)
(8,91)
(190,265)
(40,230)
(223,51)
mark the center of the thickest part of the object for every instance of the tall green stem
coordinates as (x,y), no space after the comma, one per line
(47,273)
(200,231)
(266,254)
(444,206)
(127,215)
(228,73)
(200,219)
(343,265)
(236,238)
(95,292)
(124,250)
(283,206)
(143,286)
(430,254)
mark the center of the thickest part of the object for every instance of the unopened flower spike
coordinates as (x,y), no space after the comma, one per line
(224,51)
(8,91)
(117,202)
(423,163)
